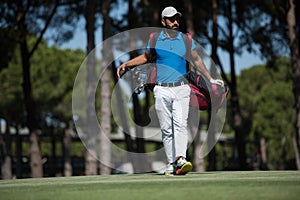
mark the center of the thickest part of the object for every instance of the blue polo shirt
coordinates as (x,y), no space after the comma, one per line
(170,57)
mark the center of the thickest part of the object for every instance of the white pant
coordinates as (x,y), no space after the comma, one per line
(172,108)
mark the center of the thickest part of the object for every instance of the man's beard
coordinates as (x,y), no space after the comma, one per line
(174,28)
(172,31)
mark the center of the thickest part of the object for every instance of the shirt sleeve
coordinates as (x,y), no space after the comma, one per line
(148,46)
(193,46)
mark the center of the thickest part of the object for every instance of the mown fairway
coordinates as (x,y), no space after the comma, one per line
(262,185)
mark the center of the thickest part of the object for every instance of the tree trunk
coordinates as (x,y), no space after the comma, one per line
(140,163)
(18,153)
(35,154)
(295,62)
(198,158)
(263,152)
(91,163)
(197,144)
(6,168)
(213,71)
(236,113)
(151,12)
(189,17)
(296,150)
(7,165)
(66,152)
(105,121)
(211,141)
(124,120)
(36,162)
(53,159)
(283,153)
(123,115)
(214,44)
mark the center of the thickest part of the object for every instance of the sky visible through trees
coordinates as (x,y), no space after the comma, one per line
(246,60)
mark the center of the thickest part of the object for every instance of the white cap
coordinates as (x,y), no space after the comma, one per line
(169,12)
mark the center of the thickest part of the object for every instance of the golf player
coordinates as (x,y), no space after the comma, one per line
(172,93)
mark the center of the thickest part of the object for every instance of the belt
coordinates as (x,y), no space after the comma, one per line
(172,84)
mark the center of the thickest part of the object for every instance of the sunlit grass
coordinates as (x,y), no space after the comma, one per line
(210,185)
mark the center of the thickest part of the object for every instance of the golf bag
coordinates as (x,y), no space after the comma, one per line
(204,94)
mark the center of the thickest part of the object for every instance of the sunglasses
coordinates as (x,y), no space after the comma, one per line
(173,19)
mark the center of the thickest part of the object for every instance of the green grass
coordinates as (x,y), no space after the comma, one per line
(262,185)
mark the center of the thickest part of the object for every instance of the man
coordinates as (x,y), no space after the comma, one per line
(172,92)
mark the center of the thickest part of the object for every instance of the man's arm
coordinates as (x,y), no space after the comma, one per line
(140,60)
(200,65)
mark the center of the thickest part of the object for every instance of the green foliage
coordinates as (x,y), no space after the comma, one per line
(7,46)
(11,96)
(267,106)
(274,110)
(53,73)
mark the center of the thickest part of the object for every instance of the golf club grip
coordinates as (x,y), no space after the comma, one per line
(122,72)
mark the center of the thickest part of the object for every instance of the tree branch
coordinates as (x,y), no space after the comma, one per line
(44,29)
(221,29)
(223,72)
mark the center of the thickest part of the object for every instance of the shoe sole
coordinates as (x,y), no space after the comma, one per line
(187,167)
(168,174)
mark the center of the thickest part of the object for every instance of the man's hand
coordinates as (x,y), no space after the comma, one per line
(140,60)
(217,81)
(121,70)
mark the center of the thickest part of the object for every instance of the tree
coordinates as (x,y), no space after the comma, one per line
(213,70)
(35,154)
(105,112)
(295,63)
(272,124)
(91,163)
(276,35)
(268,114)
(53,73)
(11,106)
(197,144)
(137,157)
(227,39)
(28,17)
